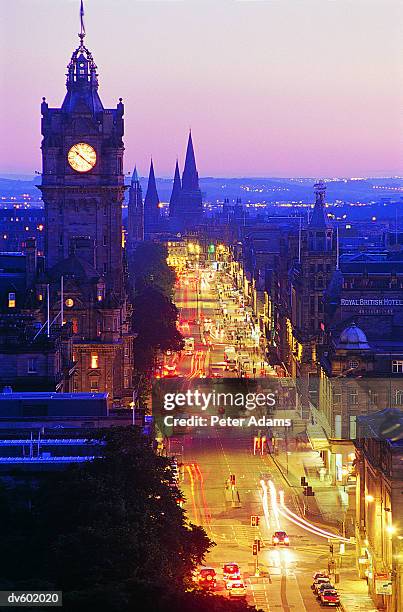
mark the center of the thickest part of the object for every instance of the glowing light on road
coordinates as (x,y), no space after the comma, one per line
(283,511)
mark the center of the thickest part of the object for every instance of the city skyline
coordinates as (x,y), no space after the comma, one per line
(264,133)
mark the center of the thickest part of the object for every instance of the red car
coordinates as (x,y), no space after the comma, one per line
(329,597)
(280,538)
(207,577)
(231,571)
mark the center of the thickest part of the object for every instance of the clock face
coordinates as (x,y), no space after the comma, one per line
(82,157)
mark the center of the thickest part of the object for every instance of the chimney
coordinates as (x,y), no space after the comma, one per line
(31,255)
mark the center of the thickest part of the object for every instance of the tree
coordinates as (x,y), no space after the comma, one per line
(154,321)
(148,267)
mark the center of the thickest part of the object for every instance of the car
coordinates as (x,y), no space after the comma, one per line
(237,589)
(206,577)
(318,581)
(323,587)
(329,597)
(231,571)
(320,574)
(280,538)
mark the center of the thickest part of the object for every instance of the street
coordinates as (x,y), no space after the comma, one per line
(278,577)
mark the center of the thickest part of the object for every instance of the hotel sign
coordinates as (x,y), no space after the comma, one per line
(372,306)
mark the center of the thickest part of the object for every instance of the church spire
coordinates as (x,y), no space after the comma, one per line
(151,202)
(135,177)
(318,218)
(190,177)
(176,192)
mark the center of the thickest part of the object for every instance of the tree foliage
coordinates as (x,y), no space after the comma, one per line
(148,267)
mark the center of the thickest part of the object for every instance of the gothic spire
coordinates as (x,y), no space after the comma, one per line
(318,218)
(151,202)
(135,177)
(176,191)
(190,177)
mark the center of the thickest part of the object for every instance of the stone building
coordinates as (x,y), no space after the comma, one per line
(379,520)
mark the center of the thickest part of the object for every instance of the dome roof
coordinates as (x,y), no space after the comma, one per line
(74,267)
(353,338)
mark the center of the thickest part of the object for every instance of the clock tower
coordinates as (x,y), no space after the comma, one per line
(83,189)
(82,178)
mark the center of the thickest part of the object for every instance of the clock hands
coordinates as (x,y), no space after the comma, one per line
(84,158)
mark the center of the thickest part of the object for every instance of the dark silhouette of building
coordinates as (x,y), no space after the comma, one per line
(187,207)
(174,202)
(135,212)
(152,218)
(83,190)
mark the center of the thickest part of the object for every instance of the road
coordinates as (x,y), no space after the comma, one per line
(211,455)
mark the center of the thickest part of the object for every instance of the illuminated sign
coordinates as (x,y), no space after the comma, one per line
(371,302)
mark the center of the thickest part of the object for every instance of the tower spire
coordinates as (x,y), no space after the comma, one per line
(176,192)
(318,219)
(82,26)
(190,177)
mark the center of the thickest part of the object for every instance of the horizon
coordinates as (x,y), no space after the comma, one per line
(281,98)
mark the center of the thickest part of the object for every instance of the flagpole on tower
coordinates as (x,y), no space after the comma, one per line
(82,32)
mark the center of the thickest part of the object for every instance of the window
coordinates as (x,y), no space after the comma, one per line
(397,366)
(353,364)
(373,397)
(354,397)
(105,268)
(94,361)
(32,365)
(11,300)
(94,385)
(105,241)
(75,384)
(126,382)
(337,426)
(353,427)
(75,326)
(399,397)
(100,294)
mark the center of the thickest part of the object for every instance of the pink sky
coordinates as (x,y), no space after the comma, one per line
(269,87)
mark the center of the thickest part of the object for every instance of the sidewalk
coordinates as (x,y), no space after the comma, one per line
(325,509)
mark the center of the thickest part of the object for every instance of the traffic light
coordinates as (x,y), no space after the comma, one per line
(211,248)
(304,482)
(254,549)
(257,543)
(232,479)
(254,521)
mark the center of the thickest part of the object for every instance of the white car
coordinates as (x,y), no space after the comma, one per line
(237,589)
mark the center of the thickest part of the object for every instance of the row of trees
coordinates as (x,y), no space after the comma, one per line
(155,315)
(108,533)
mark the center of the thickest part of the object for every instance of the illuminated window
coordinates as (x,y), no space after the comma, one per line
(40,297)
(397,366)
(94,385)
(11,300)
(100,294)
(353,364)
(75,326)
(69,303)
(94,361)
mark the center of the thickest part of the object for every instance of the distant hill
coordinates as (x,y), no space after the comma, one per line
(269,190)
